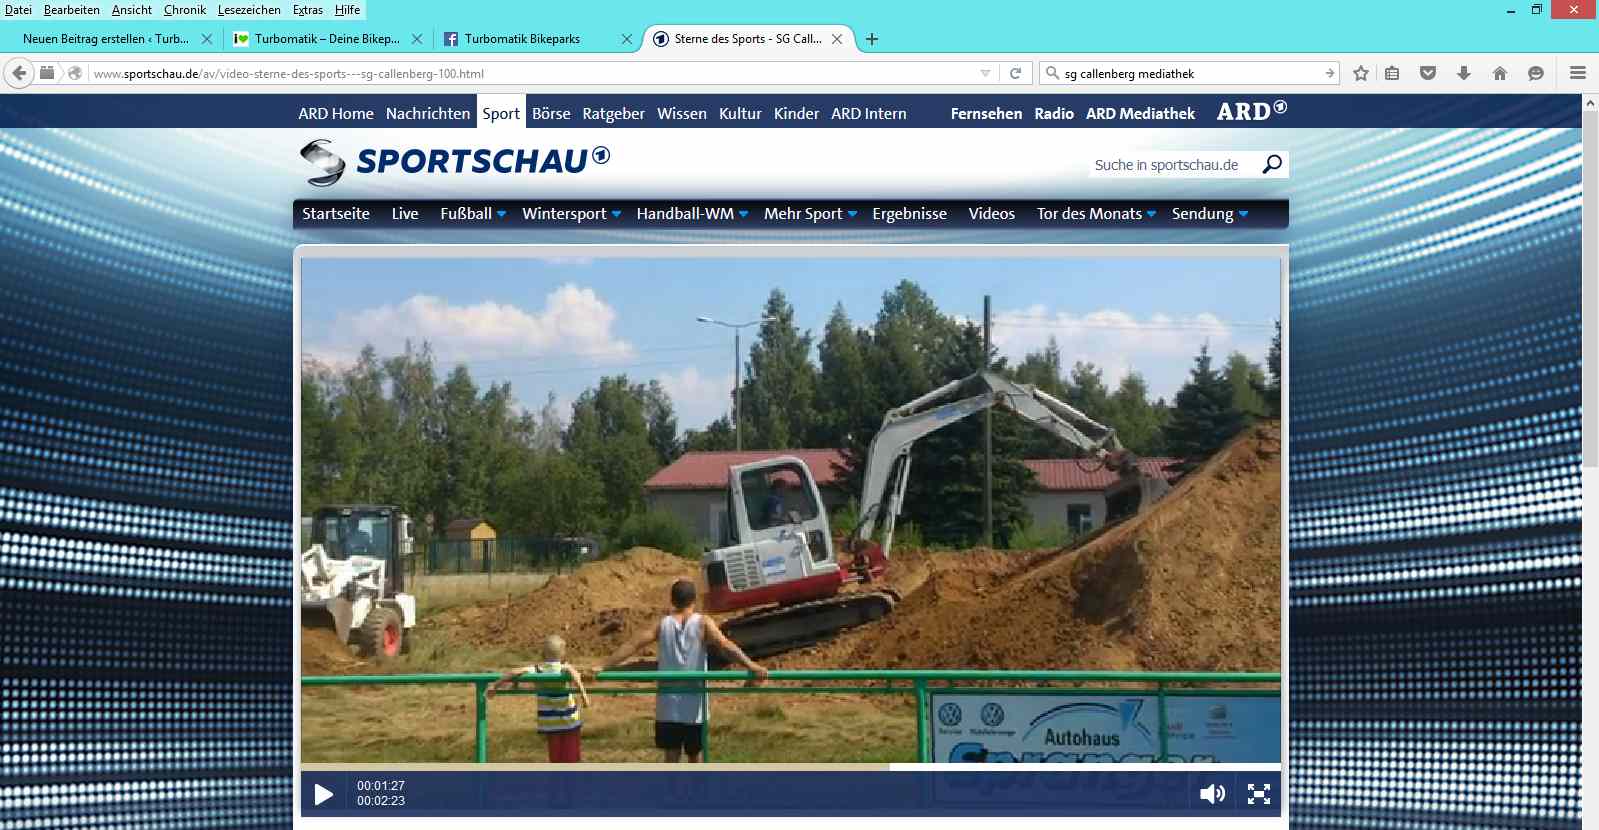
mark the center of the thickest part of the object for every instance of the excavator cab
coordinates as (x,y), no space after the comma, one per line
(777,540)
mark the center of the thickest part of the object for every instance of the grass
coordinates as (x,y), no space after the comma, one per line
(435,724)
(440,592)
(411,724)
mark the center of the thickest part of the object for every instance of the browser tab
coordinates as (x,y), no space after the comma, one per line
(796,41)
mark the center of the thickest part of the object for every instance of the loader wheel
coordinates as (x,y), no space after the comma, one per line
(382,635)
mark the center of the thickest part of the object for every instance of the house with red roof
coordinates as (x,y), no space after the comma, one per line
(694,488)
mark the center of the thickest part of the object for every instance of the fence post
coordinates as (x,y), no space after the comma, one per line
(1160,706)
(482,690)
(924,753)
(705,728)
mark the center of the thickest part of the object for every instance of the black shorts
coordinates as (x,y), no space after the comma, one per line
(682,736)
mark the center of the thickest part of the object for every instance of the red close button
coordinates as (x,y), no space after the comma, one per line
(1571,9)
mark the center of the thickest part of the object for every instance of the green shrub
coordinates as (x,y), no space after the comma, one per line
(657,529)
(907,536)
(1040,537)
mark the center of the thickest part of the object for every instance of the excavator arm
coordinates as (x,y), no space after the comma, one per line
(888,458)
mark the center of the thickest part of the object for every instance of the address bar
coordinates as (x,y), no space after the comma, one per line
(536,73)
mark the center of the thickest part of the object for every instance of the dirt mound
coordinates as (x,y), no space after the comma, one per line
(594,607)
(322,653)
(1191,584)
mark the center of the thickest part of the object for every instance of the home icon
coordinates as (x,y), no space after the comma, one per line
(1500,73)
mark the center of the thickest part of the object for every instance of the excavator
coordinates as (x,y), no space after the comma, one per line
(780,565)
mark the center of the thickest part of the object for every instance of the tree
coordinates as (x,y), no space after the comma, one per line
(1043,369)
(661,422)
(1086,390)
(324,448)
(778,395)
(366,415)
(1247,381)
(552,494)
(1203,418)
(547,432)
(465,460)
(414,397)
(610,433)
(1274,369)
(845,397)
(717,436)
(945,497)
(1138,423)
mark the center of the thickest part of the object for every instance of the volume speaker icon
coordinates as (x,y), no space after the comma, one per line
(1214,794)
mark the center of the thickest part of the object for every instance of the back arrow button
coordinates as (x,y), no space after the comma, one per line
(19,73)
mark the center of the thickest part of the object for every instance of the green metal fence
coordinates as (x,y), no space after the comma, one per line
(511,553)
(918,682)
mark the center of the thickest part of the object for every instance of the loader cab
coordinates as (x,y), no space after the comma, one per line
(377,531)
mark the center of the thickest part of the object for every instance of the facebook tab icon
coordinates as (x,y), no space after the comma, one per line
(451,39)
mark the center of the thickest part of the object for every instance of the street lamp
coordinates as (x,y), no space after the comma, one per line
(738,371)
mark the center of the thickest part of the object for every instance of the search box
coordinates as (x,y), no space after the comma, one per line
(1188,73)
(1191,164)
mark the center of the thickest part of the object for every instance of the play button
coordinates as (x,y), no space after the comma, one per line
(319,794)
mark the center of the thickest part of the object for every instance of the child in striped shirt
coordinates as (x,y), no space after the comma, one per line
(560,719)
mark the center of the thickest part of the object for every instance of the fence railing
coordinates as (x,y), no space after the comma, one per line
(918,682)
(511,553)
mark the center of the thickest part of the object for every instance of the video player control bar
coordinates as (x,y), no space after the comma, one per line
(834,215)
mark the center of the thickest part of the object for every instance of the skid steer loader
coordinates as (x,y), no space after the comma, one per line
(352,577)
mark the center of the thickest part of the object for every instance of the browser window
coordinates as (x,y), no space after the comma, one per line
(413,414)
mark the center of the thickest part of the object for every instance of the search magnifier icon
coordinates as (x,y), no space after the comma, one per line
(1052,73)
(1273,162)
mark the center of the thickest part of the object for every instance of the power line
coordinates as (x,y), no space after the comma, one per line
(603,367)
(705,347)
(1030,323)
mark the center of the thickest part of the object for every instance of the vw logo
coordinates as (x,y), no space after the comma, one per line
(949,714)
(993,714)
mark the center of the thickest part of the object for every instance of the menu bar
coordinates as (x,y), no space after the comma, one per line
(604,112)
(817,214)
(186,10)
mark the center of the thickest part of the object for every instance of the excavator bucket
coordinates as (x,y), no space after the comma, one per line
(1133,494)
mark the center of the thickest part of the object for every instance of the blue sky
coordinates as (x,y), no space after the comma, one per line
(558,325)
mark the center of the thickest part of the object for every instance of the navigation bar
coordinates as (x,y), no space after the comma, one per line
(829,215)
(611,111)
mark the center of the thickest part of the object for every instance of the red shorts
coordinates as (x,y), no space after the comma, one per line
(565,747)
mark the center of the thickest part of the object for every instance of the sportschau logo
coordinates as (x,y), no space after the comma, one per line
(325,160)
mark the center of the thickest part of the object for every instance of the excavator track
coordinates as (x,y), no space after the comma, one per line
(776,630)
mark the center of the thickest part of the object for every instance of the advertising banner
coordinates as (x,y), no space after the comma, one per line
(1099,728)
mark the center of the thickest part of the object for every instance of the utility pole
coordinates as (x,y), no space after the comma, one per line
(738,409)
(738,371)
(988,437)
